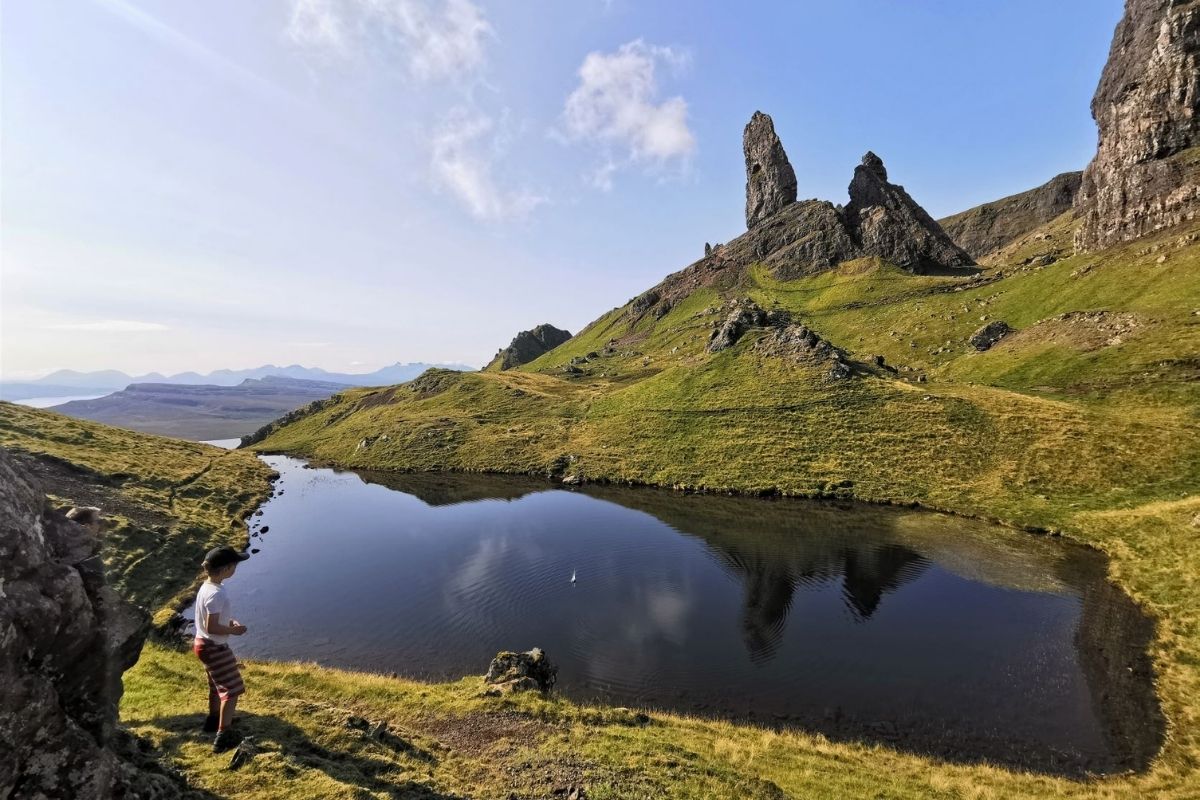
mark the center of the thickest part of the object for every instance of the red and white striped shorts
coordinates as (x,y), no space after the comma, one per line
(224,678)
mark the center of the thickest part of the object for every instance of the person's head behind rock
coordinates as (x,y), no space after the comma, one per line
(89,517)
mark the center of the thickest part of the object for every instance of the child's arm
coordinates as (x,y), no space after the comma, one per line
(212,623)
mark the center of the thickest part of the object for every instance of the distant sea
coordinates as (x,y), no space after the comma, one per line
(46,402)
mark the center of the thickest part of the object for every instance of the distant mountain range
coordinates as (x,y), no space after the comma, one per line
(201,412)
(67,382)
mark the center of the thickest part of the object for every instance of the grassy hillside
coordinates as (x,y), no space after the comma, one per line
(169,501)
(1092,410)
(1083,421)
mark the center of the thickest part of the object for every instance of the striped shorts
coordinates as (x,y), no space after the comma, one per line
(224,678)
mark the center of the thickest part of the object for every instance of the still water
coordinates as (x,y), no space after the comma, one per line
(922,631)
(50,402)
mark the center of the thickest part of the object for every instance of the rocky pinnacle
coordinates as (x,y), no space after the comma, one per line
(885,222)
(1147,108)
(770,180)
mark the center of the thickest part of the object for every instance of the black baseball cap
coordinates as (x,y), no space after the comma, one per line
(223,556)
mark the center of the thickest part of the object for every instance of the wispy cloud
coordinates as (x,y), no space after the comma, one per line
(438,39)
(110,326)
(464,148)
(616,105)
(214,61)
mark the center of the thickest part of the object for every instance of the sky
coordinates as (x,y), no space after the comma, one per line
(351,183)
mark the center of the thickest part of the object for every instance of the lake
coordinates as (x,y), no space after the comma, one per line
(50,402)
(922,631)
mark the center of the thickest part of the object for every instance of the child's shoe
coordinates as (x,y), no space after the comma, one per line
(226,740)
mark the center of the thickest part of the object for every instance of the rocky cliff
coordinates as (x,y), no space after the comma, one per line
(797,238)
(1146,173)
(770,179)
(886,223)
(528,345)
(67,639)
(986,228)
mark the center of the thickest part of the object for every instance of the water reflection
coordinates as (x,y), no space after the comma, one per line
(928,632)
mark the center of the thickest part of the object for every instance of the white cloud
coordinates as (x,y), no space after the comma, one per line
(316,24)
(464,148)
(616,105)
(110,326)
(437,38)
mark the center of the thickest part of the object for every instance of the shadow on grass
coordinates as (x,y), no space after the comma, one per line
(369,763)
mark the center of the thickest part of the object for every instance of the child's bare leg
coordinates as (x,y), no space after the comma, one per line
(227,709)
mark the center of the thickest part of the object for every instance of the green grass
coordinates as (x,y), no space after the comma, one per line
(1047,430)
(171,500)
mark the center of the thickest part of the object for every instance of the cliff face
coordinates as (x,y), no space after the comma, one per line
(1146,107)
(988,227)
(528,345)
(67,637)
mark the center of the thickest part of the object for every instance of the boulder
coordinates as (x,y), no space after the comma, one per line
(518,672)
(1147,109)
(770,179)
(987,336)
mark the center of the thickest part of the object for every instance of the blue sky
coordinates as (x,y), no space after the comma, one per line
(349,183)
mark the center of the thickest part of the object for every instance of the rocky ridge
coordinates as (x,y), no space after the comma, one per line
(1146,173)
(798,238)
(528,345)
(982,230)
(785,338)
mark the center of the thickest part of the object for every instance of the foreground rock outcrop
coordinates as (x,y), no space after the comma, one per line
(66,639)
(770,179)
(986,228)
(528,345)
(1145,175)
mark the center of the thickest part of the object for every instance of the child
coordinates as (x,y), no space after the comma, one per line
(89,517)
(214,625)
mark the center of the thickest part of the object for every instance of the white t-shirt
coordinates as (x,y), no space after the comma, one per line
(213,598)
